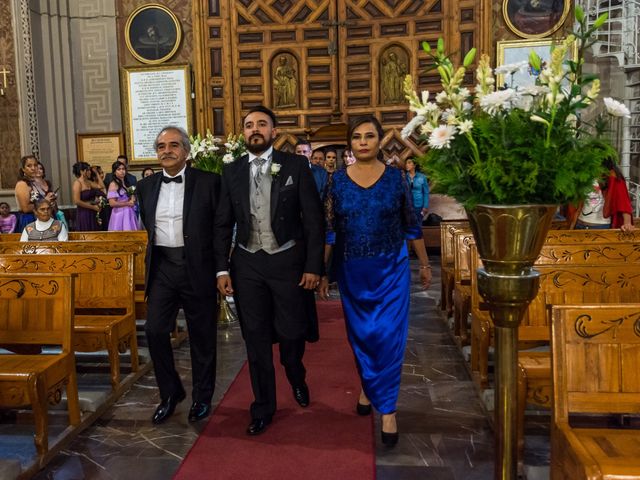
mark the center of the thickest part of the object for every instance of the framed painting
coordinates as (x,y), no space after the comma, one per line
(99,148)
(535,18)
(152,33)
(515,51)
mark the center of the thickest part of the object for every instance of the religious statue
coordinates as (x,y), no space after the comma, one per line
(285,84)
(393,73)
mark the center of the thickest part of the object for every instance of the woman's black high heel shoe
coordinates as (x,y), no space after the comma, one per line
(389,439)
(363,410)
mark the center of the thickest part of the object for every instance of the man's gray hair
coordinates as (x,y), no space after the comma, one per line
(184,137)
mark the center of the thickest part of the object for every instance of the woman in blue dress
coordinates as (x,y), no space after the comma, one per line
(370,214)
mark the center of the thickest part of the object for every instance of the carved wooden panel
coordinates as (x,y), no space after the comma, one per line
(321,62)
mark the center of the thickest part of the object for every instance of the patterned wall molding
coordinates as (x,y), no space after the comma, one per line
(95,66)
(29,99)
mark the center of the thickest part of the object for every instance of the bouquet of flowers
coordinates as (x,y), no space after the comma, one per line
(101,201)
(131,191)
(209,153)
(514,145)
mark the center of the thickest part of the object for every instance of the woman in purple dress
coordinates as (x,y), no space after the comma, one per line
(87,192)
(121,200)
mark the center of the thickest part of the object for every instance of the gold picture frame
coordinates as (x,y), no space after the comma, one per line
(153,98)
(535,19)
(152,34)
(99,148)
(514,51)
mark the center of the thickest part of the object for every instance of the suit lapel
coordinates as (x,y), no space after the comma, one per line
(276,181)
(241,184)
(189,187)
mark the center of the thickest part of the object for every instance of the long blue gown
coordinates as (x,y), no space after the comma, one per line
(368,228)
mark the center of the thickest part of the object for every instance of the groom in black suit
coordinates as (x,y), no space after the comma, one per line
(178,206)
(272,199)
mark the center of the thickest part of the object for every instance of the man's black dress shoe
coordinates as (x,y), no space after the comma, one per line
(198,411)
(258,425)
(167,407)
(301,394)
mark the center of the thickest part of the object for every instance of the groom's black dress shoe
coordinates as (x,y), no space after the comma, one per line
(301,394)
(167,407)
(258,425)
(198,411)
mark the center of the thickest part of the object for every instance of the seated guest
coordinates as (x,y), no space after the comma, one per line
(8,220)
(45,228)
(147,172)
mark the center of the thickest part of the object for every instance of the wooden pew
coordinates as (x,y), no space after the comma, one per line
(135,242)
(133,235)
(104,303)
(562,247)
(447,260)
(463,273)
(596,365)
(37,309)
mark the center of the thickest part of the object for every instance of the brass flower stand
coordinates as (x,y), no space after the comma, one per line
(509,239)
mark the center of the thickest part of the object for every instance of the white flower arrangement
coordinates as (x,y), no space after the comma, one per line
(209,153)
(513,145)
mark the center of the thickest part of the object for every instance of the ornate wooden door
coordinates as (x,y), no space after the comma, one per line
(320,62)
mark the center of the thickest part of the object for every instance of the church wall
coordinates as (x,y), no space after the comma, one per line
(10,101)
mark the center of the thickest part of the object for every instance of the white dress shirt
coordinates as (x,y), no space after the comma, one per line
(169,213)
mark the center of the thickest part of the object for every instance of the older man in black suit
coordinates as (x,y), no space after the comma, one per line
(271,197)
(178,206)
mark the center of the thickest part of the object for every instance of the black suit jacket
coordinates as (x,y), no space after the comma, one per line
(201,192)
(296,210)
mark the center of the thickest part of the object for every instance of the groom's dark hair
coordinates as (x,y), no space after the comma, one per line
(263,109)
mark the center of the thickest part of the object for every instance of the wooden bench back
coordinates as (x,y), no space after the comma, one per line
(563,237)
(134,235)
(463,240)
(105,280)
(572,273)
(37,308)
(596,359)
(79,246)
(447,245)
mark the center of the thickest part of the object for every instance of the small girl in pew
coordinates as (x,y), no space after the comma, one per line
(45,228)
(8,220)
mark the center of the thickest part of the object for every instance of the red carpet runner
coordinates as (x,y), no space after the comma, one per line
(326,440)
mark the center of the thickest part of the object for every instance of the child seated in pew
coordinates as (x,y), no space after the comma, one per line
(8,220)
(45,228)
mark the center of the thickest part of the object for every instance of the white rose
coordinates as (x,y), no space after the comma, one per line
(275,168)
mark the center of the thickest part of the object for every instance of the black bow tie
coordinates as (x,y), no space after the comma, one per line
(177,179)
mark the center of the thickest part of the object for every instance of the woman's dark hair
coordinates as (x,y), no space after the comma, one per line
(5,203)
(418,168)
(611,164)
(80,167)
(356,122)
(330,149)
(114,178)
(23,162)
(146,170)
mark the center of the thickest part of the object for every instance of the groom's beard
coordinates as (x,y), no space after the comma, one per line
(257,143)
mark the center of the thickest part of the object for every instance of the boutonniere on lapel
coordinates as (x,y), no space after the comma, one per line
(275,169)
